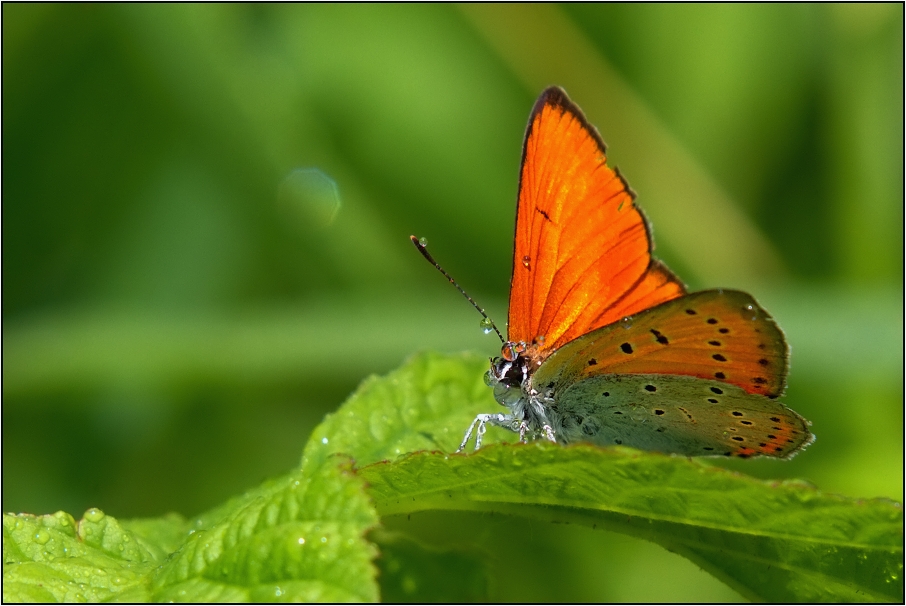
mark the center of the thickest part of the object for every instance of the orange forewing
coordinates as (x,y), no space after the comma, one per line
(714,334)
(582,256)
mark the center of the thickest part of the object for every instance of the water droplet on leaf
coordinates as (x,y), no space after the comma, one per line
(94,515)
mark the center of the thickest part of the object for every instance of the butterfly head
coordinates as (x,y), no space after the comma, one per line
(510,372)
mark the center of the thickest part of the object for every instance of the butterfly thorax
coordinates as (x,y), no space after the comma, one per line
(510,377)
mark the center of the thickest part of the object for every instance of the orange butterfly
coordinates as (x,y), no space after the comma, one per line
(604,345)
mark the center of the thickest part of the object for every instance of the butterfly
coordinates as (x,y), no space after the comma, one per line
(604,344)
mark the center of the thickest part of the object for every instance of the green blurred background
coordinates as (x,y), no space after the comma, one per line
(206,210)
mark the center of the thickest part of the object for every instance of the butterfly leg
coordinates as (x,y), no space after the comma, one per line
(549,433)
(481,421)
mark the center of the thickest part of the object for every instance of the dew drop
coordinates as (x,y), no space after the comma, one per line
(94,515)
(42,536)
(486,325)
(626,322)
(324,440)
(62,518)
(526,261)
(423,242)
(749,312)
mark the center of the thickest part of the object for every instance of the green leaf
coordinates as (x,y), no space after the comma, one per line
(426,404)
(52,558)
(769,541)
(301,537)
(298,538)
(415,573)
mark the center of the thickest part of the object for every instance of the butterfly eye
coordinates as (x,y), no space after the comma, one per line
(508,352)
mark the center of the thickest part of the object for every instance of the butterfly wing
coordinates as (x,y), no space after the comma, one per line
(721,335)
(582,256)
(678,414)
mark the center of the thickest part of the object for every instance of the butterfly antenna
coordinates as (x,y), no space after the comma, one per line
(422,248)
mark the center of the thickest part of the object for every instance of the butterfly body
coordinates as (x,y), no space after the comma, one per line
(604,344)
